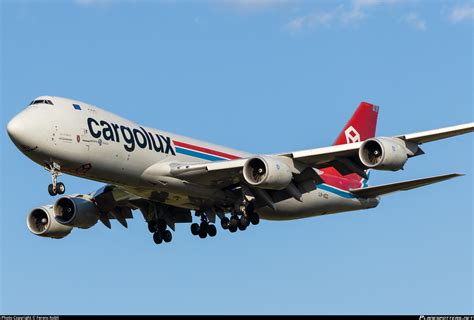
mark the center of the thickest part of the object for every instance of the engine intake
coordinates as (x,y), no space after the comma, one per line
(383,153)
(76,211)
(41,222)
(267,173)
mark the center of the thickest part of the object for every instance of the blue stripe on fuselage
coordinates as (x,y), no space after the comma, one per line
(198,154)
(336,191)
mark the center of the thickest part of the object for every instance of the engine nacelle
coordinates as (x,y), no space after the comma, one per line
(41,222)
(267,173)
(384,153)
(76,211)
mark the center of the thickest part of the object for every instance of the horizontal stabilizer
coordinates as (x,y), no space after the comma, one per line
(372,192)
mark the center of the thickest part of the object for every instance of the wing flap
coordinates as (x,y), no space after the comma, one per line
(372,192)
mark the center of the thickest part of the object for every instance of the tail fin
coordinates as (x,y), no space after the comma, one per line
(361,126)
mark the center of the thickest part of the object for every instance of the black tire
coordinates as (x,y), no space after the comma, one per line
(60,188)
(152,226)
(195,229)
(157,238)
(242,227)
(161,225)
(234,222)
(254,219)
(212,230)
(51,190)
(167,236)
(244,221)
(232,229)
(202,234)
(204,226)
(225,223)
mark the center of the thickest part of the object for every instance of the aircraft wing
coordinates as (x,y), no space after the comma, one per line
(372,192)
(114,202)
(321,157)
(343,157)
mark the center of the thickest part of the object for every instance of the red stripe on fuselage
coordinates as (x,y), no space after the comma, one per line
(205,150)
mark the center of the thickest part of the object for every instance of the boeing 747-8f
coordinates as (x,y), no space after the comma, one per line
(168,177)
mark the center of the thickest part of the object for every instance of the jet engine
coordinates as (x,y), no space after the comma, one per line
(383,153)
(267,173)
(41,222)
(76,211)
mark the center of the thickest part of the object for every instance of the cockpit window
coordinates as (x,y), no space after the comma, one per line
(41,101)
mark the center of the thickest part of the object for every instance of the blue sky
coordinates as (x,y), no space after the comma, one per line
(262,76)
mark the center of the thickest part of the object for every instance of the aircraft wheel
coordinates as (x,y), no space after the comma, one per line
(254,218)
(51,191)
(195,229)
(242,227)
(225,223)
(232,229)
(212,230)
(167,236)
(234,221)
(204,226)
(157,238)
(202,233)
(244,221)
(60,188)
(161,225)
(152,226)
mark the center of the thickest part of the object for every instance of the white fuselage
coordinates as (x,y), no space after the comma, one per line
(89,142)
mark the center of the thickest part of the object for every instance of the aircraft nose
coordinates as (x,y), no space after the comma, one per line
(16,128)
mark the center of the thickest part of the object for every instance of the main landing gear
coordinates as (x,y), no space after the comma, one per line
(205,228)
(55,187)
(248,216)
(160,232)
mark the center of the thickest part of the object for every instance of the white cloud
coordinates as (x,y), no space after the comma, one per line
(313,20)
(356,12)
(415,21)
(461,13)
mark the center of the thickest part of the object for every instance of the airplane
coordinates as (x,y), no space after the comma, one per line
(168,177)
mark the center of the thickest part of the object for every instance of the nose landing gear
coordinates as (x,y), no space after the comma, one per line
(55,187)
